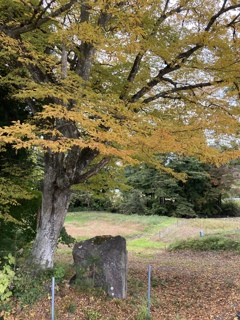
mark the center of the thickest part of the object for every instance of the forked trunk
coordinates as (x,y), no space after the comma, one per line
(62,170)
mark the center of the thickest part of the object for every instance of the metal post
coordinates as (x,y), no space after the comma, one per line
(149,288)
(53,285)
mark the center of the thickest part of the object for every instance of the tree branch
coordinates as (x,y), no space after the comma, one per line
(164,94)
(178,61)
(224,3)
(138,59)
(233,21)
(168,69)
(219,13)
(166,6)
(16,31)
(99,166)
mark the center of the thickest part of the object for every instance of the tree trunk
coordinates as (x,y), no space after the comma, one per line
(51,223)
(55,202)
(62,170)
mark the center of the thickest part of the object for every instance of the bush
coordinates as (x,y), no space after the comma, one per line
(86,201)
(65,238)
(230,209)
(16,235)
(30,285)
(7,275)
(184,210)
(134,203)
(207,243)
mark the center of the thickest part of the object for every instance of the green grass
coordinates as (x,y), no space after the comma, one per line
(216,225)
(217,242)
(141,244)
(219,234)
(148,221)
(148,224)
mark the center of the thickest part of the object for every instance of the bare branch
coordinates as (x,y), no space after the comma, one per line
(133,73)
(170,81)
(168,69)
(224,3)
(44,10)
(233,21)
(166,6)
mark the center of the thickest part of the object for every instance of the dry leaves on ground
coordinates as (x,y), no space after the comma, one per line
(184,285)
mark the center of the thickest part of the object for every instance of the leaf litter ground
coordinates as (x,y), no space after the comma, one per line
(184,286)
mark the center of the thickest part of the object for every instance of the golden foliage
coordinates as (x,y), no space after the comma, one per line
(143,77)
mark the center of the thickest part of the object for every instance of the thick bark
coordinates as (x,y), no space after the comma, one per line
(56,195)
(51,223)
(61,172)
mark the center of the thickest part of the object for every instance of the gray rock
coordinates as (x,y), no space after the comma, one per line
(102,262)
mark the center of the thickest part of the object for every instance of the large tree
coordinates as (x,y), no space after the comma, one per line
(117,79)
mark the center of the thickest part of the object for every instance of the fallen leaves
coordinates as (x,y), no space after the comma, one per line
(185,285)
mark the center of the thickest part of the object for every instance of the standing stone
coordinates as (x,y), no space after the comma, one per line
(102,262)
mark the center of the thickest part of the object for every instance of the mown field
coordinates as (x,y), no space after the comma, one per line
(186,284)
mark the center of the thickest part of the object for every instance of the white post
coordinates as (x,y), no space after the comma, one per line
(149,288)
(53,285)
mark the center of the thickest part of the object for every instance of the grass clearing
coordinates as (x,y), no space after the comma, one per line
(142,244)
(115,218)
(149,233)
(138,230)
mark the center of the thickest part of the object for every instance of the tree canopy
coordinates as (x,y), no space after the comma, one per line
(125,79)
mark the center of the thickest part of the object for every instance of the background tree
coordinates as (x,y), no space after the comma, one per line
(160,193)
(100,192)
(233,174)
(20,176)
(117,79)
(14,166)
